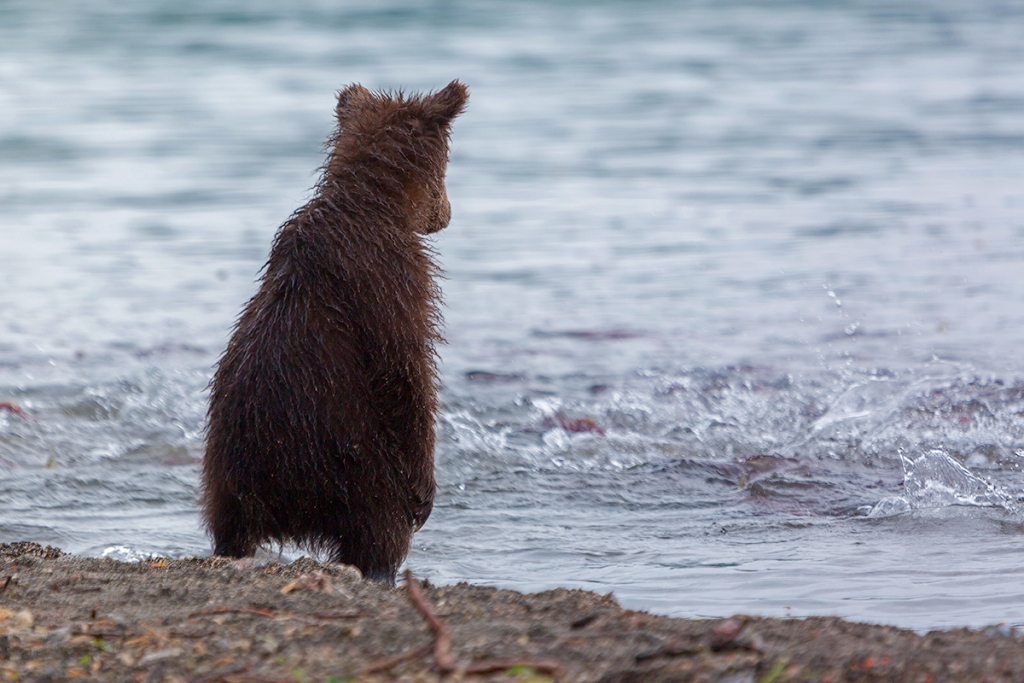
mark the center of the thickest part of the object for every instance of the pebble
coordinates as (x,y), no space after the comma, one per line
(24,619)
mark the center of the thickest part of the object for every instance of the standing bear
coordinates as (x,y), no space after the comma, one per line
(321,417)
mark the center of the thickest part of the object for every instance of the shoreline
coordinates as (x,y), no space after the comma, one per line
(65,617)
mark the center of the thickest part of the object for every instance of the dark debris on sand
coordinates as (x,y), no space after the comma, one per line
(64,617)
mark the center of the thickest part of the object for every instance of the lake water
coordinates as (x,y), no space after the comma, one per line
(734,295)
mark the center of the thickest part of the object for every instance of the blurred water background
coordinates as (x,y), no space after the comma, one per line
(735,306)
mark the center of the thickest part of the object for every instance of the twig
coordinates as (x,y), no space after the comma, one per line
(7,583)
(494,665)
(355,614)
(385,664)
(101,634)
(235,610)
(442,641)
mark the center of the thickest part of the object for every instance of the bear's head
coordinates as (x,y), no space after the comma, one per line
(396,146)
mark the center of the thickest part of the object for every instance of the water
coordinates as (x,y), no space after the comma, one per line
(733,298)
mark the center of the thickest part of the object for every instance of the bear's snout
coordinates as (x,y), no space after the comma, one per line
(443,217)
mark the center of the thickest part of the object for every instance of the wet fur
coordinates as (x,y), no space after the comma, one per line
(321,416)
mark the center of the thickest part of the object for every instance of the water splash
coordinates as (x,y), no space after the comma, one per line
(127,553)
(936,480)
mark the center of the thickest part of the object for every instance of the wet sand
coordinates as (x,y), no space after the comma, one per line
(64,617)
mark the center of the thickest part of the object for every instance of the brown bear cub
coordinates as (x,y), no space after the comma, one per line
(321,418)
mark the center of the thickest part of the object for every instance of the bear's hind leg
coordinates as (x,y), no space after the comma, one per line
(232,536)
(367,558)
(236,545)
(383,575)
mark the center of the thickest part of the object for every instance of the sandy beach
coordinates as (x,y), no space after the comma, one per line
(65,617)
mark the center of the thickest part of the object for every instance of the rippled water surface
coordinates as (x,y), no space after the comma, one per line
(734,303)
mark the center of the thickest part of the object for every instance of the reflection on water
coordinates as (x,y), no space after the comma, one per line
(733,299)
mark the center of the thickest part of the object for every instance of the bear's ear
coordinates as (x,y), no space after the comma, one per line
(350,100)
(446,104)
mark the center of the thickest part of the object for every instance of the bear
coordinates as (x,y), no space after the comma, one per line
(320,425)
